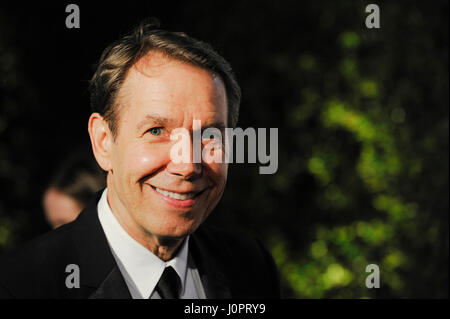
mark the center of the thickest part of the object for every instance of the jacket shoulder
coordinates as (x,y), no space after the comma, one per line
(35,267)
(247,262)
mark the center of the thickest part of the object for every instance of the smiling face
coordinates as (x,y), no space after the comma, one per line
(150,194)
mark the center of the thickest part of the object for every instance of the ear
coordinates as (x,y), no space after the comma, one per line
(101,140)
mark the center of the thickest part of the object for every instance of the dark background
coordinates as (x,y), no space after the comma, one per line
(362,117)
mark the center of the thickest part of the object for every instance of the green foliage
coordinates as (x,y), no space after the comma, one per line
(378,230)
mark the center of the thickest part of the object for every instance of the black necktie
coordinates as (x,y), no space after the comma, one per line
(169,284)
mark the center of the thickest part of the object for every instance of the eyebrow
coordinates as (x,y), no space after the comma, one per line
(164,121)
(154,119)
(219,125)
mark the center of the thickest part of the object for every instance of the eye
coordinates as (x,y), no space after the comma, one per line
(211,135)
(155,131)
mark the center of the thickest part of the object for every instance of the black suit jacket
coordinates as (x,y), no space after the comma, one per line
(230,266)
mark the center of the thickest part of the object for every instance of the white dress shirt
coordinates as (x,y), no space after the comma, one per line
(142,269)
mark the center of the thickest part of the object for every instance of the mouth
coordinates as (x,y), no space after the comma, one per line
(178,199)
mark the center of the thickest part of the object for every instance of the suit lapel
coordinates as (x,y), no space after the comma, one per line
(98,268)
(113,287)
(214,281)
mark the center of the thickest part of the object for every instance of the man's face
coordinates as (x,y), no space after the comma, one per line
(148,192)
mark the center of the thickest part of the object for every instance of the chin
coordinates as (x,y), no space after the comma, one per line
(175,229)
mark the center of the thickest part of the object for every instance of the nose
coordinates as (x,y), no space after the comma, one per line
(186,168)
(188,171)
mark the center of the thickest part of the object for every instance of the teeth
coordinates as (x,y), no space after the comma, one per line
(175,195)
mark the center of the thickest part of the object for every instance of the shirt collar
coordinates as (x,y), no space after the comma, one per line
(144,267)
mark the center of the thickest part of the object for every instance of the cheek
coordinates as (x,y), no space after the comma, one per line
(142,160)
(218,173)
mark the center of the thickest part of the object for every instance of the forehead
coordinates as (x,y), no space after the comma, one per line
(172,89)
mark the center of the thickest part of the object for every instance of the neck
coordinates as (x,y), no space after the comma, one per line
(165,249)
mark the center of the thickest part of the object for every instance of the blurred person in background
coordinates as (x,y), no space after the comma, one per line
(72,186)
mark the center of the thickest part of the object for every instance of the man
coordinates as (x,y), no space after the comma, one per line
(142,237)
